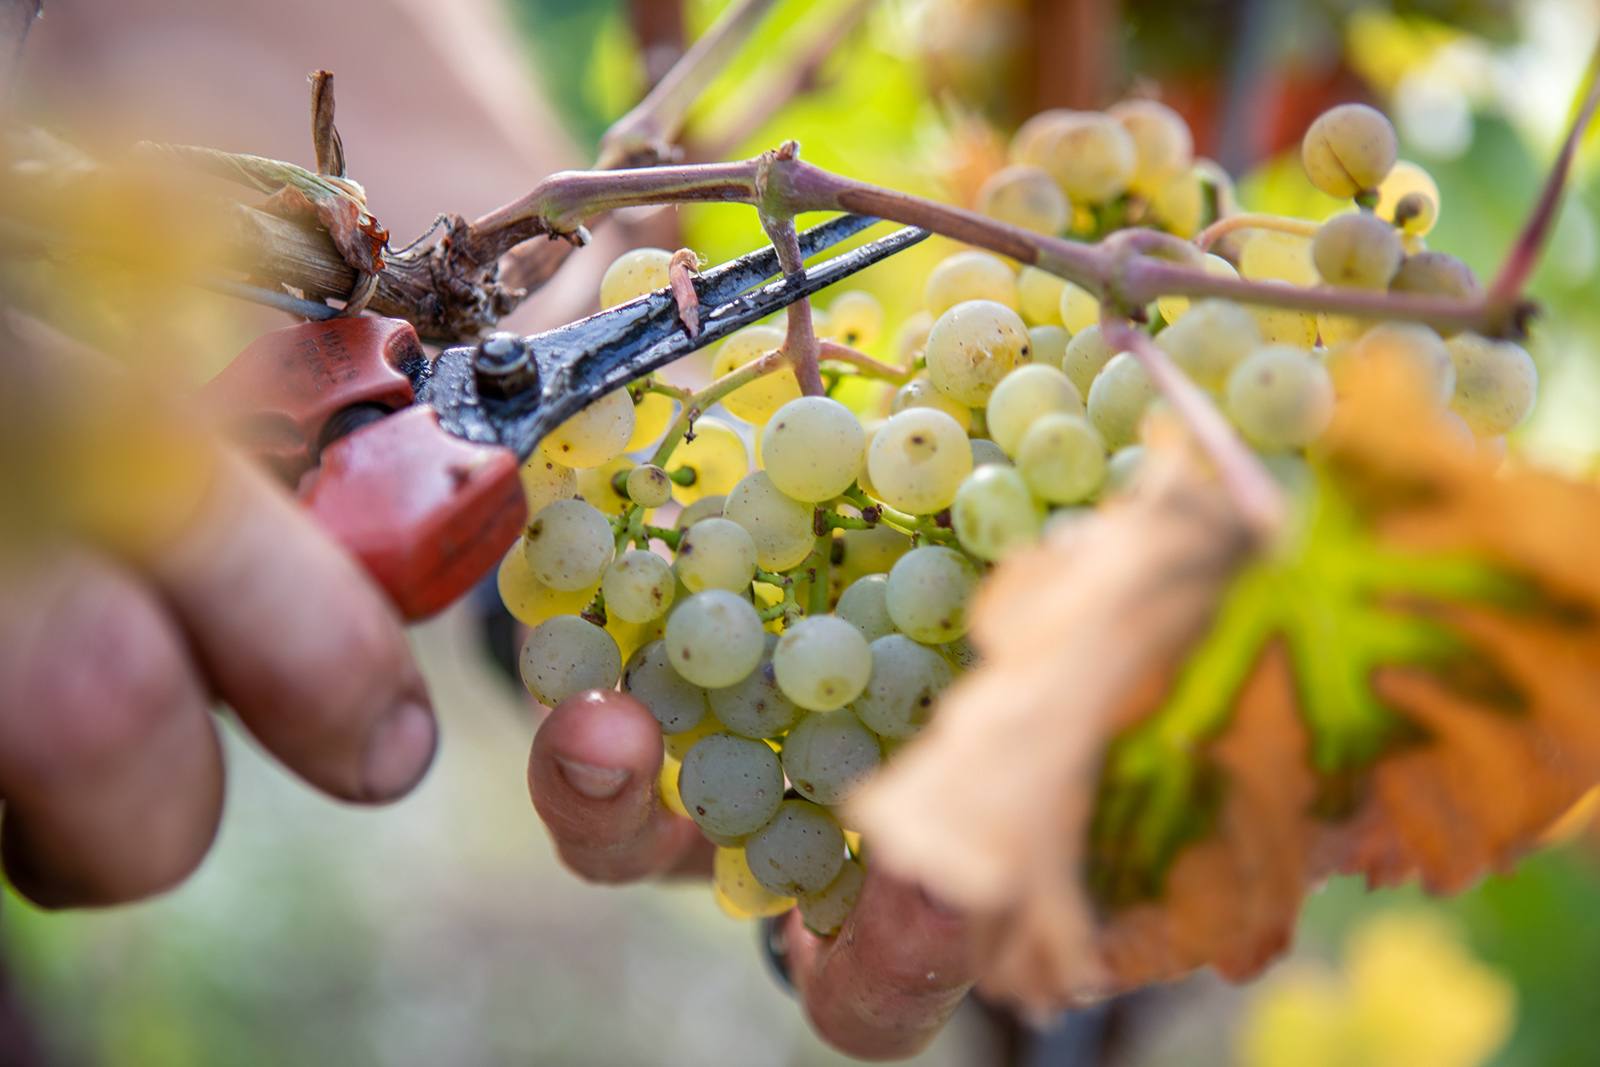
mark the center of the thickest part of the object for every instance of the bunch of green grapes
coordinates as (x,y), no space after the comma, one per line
(791,622)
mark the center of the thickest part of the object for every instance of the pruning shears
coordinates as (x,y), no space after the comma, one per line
(411,462)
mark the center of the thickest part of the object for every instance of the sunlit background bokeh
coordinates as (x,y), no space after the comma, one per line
(443,931)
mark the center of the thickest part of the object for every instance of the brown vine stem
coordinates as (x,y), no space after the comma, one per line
(1259,500)
(800,344)
(836,352)
(1524,255)
(1251,221)
(649,130)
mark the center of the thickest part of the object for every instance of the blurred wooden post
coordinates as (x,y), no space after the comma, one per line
(1075,52)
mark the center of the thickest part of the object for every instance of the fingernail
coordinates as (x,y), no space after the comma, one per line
(596,783)
(399,752)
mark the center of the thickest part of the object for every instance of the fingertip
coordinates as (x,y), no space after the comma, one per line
(602,728)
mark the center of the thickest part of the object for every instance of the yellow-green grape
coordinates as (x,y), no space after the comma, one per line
(800,851)
(1087,353)
(1284,325)
(1437,274)
(667,787)
(928,592)
(638,586)
(1039,294)
(678,704)
(911,339)
(598,433)
(994,513)
(598,486)
(707,507)
(528,599)
(821,323)
(648,486)
(1173,308)
(730,785)
(985,451)
(633,274)
(1414,186)
(716,553)
(1025,196)
(1122,468)
(825,912)
(738,893)
(1079,309)
(1335,330)
(857,318)
(652,414)
(1349,150)
(969,275)
(918,460)
(568,545)
(1180,205)
(1357,251)
(755,707)
(756,401)
(544,481)
(1090,154)
(1024,395)
(1416,348)
(1280,397)
(1268,255)
(1048,344)
(829,755)
(863,606)
(972,346)
(631,636)
(678,745)
(714,639)
(1062,459)
(1024,143)
(1163,146)
(907,679)
(1209,340)
(1496,384)
(779,525)
(564,656)
(1117,400)
(812,448)
(922,393)
(716,458)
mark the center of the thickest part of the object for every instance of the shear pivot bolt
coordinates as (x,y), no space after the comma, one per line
(503,367)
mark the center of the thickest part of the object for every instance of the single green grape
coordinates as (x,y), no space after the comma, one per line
(969,275)
(812,448)
(1349,149)
(918,460)
(564,656)
(1163,146)
(714,638)
(568,545)
(857,318)
(731,785)
(821,663)
(595,435)
(648,486)
(780,526)
(1357,251)
(1496,384)
(1062,459)
(711,464)
(1024,395)
(756,401)
(638,587)
(972,346)
(1118,398)
(1280,397)
(634,274)
(1207,342)
(829,756)
(1025,196)
(677,703)
(995,513)
(928,592)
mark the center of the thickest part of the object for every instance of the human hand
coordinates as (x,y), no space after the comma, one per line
(881,988)
(110,768)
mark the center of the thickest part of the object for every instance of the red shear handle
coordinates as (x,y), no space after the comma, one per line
(276,398)
(425,512)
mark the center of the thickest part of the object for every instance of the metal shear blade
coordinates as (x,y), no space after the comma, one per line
(580,362)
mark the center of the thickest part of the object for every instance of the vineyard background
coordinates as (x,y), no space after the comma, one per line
(442,930)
